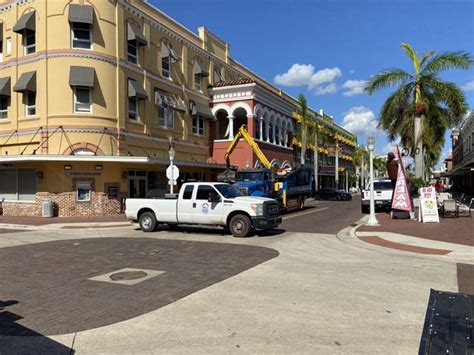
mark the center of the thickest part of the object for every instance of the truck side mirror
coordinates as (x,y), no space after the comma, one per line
(213,197)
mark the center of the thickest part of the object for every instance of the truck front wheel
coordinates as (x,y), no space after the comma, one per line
(240,226)
(147,221)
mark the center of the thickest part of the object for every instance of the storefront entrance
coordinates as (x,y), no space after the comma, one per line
(137,184)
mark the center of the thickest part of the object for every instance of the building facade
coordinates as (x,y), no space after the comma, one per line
(462,172)
(94,93)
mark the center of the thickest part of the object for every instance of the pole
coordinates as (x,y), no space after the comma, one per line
(171,181)
(347,180)
(337,165)
(372,219)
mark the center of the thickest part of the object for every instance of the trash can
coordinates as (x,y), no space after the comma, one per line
(47,208)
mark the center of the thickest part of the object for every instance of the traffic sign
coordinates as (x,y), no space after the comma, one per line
(172,172)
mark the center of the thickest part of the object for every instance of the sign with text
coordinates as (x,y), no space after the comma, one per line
(428,205)
(401,196)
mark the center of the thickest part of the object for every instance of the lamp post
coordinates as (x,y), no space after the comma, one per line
(171,154)
(371,145)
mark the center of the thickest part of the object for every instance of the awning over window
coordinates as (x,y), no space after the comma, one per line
(167,99)
(27,82)
(81,76)
(5,86)
(167,51)
(26,22)
(81,14)
(135,90)
(199,69)
(197,108)
(136,34)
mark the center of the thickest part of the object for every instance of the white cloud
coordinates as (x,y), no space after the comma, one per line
(360,120)
(352,71)
(391,146)
(354,87)
(469,86)
(305,75)
(328,89)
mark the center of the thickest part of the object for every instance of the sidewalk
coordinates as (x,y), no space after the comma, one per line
(64,222)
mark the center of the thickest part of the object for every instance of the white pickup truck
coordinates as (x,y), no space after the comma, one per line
(206,203)
(382,195)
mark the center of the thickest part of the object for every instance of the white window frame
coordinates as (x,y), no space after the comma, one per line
(90,42)
(197,82)
(84,185)
(4,112)
(166,116)
(76,103)
(198,127)
(27,48)
(166,73)
(28,106)
(133,112)
(136,56)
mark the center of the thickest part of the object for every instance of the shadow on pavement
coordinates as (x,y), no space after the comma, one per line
(17,339)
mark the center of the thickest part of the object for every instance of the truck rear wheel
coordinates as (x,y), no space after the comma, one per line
(240,226)
(147,222)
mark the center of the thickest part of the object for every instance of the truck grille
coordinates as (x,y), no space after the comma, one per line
(272,209)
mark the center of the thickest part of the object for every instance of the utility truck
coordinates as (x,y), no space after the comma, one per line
(289,187)
(206,203)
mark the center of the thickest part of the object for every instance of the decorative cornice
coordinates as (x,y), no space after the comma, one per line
(9,5)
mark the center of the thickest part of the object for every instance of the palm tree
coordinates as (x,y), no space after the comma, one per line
(423,106)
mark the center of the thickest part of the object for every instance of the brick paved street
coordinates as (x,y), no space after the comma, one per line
(49,281)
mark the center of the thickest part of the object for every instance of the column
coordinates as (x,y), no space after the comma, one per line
(231,127)
(251,125)
(273,133)
(267,130)
(260,122)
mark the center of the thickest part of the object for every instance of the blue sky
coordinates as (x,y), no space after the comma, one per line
(326,49)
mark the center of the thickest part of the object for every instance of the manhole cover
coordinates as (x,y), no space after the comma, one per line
(128,275)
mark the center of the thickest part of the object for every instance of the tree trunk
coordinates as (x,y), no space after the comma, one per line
(419,168)
(303,143)
(316,162)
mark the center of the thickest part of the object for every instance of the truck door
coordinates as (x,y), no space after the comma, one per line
(185,205)
(205,212)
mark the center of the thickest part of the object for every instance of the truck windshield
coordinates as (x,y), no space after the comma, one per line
(249,176)
(228,191)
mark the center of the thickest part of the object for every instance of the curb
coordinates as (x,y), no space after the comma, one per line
(59,226)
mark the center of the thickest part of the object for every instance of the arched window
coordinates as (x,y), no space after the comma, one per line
(168,57)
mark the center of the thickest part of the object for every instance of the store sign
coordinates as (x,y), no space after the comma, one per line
(401,196)
(428,205)
(82,173)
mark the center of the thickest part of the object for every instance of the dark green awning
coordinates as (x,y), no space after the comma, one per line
(26,22)
(199,69)
(135,90)
(27,82)
(5,86)
(136,34)
(197,108)
(81,76)
(81,14)
(1,30)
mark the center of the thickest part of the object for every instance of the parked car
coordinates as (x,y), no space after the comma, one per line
(334,194)
(206,203)
(383,191)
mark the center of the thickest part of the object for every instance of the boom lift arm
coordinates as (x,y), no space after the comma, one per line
(248,138)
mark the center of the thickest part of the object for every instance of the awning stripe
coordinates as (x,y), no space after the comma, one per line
(81,14)
(26,22)
(5,86)
(26,82)
(135,90)
(81,76)
(136,34)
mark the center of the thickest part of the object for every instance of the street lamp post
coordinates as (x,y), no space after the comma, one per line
(372,219)
(171,154)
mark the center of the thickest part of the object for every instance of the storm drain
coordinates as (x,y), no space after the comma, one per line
(127,276)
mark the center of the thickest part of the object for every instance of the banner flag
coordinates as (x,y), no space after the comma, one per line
(401,195)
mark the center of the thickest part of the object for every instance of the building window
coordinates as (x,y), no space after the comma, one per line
(1,49)
(18,184)
(132,49)
(81,34)
(197,81)
(30,103)
(217,76)
(166,115)
(165,66)
(29,42)
(133,108)
(83,191)
(198,125)
(3,107)
(82,99)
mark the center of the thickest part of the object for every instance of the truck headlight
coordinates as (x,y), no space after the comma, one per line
(258,209)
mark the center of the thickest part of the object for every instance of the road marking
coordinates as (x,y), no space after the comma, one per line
(304,213)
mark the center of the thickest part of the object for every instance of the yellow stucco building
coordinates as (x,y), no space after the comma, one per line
(92,92)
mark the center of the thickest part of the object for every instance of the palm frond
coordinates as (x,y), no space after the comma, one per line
(413,56)
(449,94)
(386,79)
(448,60)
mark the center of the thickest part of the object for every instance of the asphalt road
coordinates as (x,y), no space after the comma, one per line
(321,216)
